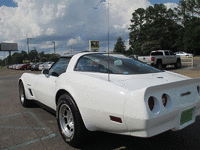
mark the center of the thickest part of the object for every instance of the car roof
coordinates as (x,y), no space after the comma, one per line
(160,50)
(85,53)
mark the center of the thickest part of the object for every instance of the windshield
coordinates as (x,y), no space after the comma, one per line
(118,64)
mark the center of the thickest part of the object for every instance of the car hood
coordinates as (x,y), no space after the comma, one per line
(135,82)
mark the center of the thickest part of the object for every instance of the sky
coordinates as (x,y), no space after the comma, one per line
(69,23)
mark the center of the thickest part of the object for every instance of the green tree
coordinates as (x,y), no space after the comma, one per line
(33,55)
(191,7)
(54,57)
(188,40)
(182,12)
(42,57)
(119,46)
(150,46)
(157,30)
(192,35)
(17,58)
(1,62)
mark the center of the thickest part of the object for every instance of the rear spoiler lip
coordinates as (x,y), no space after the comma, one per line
(171,85)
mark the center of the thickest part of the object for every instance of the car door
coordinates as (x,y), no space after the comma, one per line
(45,90)
(45,86)
(166,59)
(172,57)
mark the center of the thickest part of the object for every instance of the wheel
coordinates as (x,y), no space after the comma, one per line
(164,66)
(22,96)
(159,65)
(69,121)
(178,64)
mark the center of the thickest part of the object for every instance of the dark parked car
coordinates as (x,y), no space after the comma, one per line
(35,66)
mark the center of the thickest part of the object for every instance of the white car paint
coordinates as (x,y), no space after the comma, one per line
(124,96)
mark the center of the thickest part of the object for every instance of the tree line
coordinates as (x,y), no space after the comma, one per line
(24,57)
(157,27)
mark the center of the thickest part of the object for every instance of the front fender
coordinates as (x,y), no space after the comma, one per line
(29,81)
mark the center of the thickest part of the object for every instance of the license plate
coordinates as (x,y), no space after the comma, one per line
(186,116)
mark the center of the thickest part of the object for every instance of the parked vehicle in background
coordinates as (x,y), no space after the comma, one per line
(14,66)
(10,66)
(23,67)
(17,66)
(29,66)
(184,54)
(161,58)
(134,57)
(35,67)
(45,65)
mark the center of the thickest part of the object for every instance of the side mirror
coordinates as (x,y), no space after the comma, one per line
(45,71)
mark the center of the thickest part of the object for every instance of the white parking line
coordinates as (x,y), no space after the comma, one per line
(41,126)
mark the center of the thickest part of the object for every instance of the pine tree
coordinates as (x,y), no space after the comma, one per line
(119,46)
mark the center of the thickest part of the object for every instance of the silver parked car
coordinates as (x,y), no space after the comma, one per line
(45,65)
(184,54)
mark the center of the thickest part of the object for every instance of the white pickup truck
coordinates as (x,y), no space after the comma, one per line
(161,58)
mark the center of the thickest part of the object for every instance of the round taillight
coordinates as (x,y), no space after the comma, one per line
(164,99)
(198,89)
(151,103)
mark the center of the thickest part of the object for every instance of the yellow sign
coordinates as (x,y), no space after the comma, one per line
(94,46)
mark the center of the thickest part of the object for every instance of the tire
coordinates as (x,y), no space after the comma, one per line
(22,96)
(70,123)
(178,64)
(164,66)
(159,65)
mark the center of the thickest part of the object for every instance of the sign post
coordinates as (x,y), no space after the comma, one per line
(9,47)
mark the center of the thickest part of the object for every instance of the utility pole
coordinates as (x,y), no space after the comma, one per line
(71,49)
(35,56)
(28,43)
(54,47)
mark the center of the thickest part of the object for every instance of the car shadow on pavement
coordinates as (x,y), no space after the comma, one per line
(187,138)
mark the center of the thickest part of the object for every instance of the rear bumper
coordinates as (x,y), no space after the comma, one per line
(157,125)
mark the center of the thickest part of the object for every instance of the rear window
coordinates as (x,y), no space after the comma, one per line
(118,64)
(156,53)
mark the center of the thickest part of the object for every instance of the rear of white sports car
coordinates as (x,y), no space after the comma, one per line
(154,101)
(170,106)
(113,94)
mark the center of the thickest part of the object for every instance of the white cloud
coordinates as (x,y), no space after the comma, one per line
(74,41)
(171,5)
(66,22)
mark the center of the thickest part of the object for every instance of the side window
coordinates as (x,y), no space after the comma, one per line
(59,67)
(166,53)
(171,53)
(90,64)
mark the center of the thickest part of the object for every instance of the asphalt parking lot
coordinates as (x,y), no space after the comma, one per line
(35,128)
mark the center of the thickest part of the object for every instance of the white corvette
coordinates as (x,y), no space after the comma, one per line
(112,93)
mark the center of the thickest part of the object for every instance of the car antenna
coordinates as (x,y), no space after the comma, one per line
(108,47)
